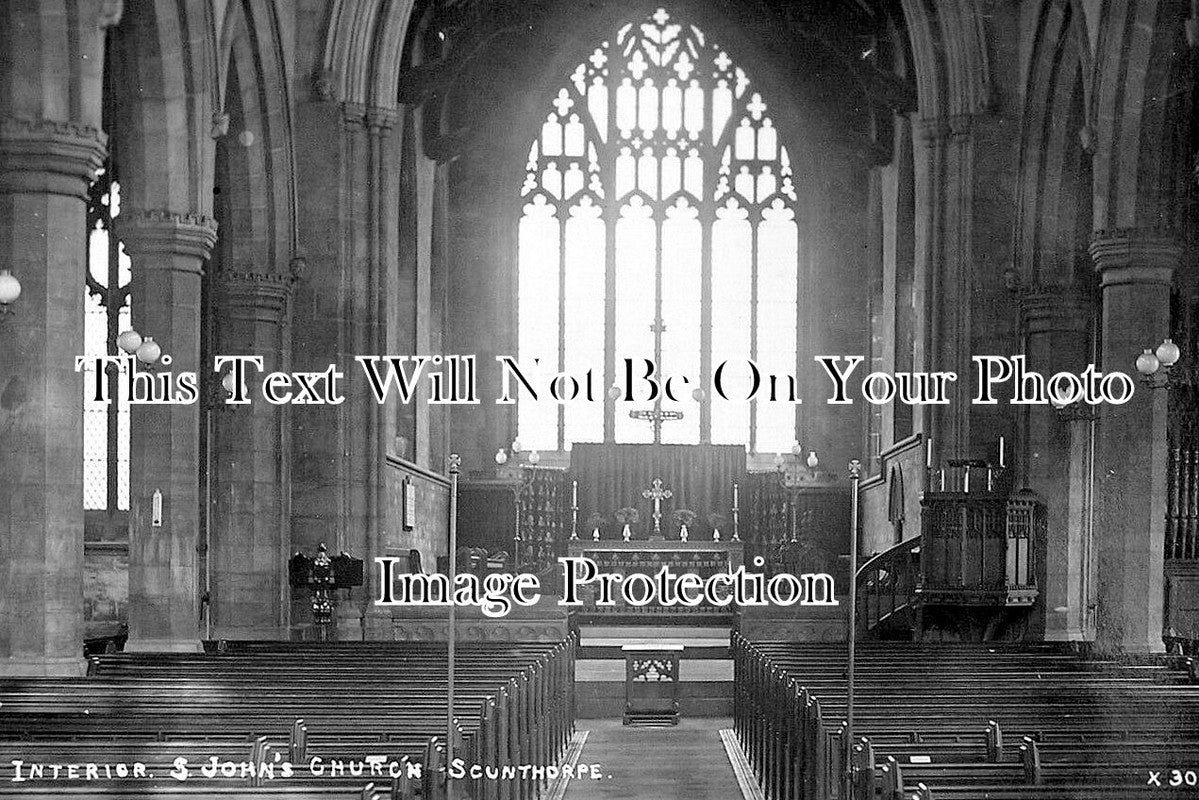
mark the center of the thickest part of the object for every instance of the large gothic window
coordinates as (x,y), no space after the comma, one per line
(659,221)
(106,314)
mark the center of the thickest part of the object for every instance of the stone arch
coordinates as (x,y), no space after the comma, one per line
(1054,200)
(167,70)
(255,169)
(1138,42)
(363,51)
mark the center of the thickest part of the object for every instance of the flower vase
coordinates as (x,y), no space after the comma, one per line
(628,533)
(682,533)
(716,534)
(595,536)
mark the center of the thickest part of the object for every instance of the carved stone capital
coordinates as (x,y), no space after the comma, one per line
(380,120)
(258,296)
(166,233)
(110,13)
(353,115)
(1046,308)
(932,130)
(47,156)
(322,85)
(1135,255)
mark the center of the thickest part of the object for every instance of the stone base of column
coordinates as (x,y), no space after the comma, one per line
(379,627)
(264,634)
(43,668)
(164,646)
(1065,635)
(349,628)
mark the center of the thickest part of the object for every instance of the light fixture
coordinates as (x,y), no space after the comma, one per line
(10,289)
(129,341)
(1154,365)
(149,351)
(501,457)
(517,446)
(797,449)
(813,461)
(228,382)
(1167,353)
(534,457)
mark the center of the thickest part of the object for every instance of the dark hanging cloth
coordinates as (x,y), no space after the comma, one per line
(612,476)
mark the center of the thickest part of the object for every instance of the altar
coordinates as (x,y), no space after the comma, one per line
(703,558)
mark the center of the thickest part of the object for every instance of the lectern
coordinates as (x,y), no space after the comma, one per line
(651,684)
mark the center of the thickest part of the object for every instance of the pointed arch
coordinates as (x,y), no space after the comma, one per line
(659,221)
(255,159)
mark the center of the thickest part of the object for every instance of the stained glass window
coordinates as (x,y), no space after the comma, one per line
(106,315)
(658,221)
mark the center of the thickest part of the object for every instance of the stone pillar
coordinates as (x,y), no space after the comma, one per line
(250,531)
(1054,319)
(1136,268)
(50,149)
(45,168)
(168,251)
(943,273)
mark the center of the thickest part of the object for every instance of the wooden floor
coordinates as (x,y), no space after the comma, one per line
(687,762)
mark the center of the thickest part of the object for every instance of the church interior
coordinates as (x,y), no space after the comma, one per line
(619,255)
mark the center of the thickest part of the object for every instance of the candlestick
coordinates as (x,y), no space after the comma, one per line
(735,496)
(928,453)
(574,493)
(1001,459)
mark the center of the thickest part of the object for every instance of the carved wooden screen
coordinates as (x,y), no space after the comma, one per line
(659,221)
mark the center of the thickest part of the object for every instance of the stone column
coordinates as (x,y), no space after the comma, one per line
(45,168)
(1136,268)
(1054,319)
(250,534)
(168,251)
(943,274)
(50,149)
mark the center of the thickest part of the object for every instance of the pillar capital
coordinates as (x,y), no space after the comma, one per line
(49,156)
(939,129)
(353,115)
(1135,255)
(380,120)
(1047,307)
(166,233)
(257,296)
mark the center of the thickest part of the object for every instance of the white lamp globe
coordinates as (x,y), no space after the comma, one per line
(149,352)
(129,341)
(1168,353)
(10,287)
(1147,363)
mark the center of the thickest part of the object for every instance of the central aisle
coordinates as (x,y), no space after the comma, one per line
(687,762)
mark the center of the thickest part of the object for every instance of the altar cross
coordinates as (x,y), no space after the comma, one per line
(656,416)
(656,493)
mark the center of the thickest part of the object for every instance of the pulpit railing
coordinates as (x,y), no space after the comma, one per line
(887,583)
